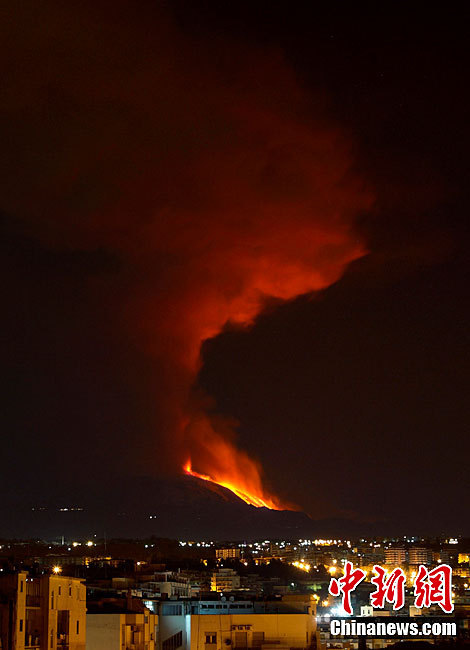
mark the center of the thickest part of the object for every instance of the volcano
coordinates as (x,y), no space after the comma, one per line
(184,508)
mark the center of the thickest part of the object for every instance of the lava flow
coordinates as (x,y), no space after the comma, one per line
(251,499)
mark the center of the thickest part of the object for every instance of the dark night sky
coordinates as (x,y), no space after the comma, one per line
(355,399)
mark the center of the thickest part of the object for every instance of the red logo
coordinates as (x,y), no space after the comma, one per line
(430,587)
(346,585)
(391,589)
(434,588)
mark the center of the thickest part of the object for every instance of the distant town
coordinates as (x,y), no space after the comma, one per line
(106,594)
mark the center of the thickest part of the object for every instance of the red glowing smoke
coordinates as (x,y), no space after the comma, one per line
(210,176)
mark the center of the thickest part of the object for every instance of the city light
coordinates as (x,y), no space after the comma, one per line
(57,569)
(304,566)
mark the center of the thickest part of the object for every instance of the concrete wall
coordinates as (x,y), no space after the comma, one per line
(291,630)
(170,625)
(115,631)
(103,632)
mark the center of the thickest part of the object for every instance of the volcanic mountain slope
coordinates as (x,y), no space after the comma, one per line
(183,508)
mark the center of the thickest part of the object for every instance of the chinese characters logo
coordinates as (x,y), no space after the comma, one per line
(430,587)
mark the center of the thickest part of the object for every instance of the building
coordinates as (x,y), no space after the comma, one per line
(118,630)
(216,625)
(462,571)
(227,553)
(45,612)
(225,580)
(165,583)
(366,555)
(395,556)
(419,555)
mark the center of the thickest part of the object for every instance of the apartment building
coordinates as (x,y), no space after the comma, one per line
(47,612)
(216,625)
(118,630)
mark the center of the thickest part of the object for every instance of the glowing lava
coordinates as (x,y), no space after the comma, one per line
(251,499)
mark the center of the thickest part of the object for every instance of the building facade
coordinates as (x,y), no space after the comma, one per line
(42,613)
(227,553)
(395,556)
(122,630)
(218,625)
(225,580)
(419,555)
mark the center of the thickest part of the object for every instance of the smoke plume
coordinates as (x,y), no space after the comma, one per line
(214,179)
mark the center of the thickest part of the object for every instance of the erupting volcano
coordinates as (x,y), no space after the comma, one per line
(208,184)
(240,489)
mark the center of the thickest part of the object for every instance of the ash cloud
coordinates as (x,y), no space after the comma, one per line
(207,172)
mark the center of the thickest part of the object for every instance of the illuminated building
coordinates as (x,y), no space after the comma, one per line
(160,583)
(225,580)
(225,553)
(47,612)
(117,630)
(216,625)
(419,555)
(395,556)
(462,571)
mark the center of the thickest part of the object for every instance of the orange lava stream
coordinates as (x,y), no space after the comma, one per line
(251,499)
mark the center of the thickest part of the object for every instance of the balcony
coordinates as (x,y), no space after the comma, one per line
(33,600)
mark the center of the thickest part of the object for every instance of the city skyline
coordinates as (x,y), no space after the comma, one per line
(150,594)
